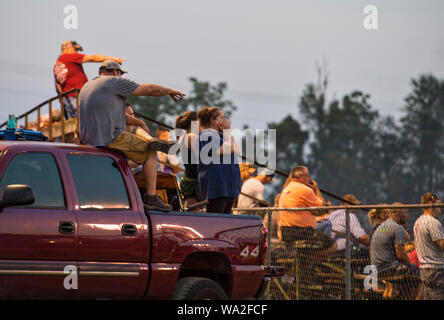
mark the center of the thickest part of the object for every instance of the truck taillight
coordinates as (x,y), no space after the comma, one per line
(264,244)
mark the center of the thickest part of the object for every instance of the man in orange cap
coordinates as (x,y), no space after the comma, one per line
(246,170)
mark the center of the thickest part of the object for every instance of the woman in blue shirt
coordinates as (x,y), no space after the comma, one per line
(218,169)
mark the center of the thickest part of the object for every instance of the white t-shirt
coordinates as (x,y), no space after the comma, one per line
(337,219)
(254,188)
(427,231)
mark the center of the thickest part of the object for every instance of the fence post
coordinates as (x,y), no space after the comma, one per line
(347,256)
(268,257)
(38,119)
(50,120)
(77,134)
(62,118)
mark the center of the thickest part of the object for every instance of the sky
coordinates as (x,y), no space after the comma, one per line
(266,51)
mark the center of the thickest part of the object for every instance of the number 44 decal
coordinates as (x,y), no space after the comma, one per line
(246,252)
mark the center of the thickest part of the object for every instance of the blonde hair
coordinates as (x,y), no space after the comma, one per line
(409,246)
(377,216)
(295,173)
(393,211)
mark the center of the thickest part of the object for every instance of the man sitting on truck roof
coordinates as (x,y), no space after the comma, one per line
(102,123)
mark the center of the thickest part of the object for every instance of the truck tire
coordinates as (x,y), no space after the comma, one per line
(197,288)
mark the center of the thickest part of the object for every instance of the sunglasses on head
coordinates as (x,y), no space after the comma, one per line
(433,197)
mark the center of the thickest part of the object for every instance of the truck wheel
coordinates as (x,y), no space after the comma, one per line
(196,288)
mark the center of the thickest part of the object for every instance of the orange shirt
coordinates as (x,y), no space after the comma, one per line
(297,195)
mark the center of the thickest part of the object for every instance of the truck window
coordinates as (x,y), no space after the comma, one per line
(99,182)
(40,172)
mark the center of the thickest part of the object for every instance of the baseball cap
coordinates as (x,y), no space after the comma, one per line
(246,167)
(351,198)
(72,43)
(267,172)
(111,65)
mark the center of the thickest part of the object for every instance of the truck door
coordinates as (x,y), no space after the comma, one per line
(37,242)
(113,242)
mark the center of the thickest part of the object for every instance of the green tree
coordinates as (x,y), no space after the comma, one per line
(290,143)
(204,94)
(422,132)
(340,157)
(390,166)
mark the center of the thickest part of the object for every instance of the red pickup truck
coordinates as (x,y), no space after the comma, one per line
(73,226)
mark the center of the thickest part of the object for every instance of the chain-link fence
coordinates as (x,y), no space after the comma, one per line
(352,253)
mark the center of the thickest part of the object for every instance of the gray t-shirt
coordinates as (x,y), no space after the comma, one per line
(427,230)
(102,109)
(382,246)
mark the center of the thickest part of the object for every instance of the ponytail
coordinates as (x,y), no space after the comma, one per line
(178,122)
(184,121)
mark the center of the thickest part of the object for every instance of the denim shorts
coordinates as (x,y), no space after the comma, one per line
(70,104)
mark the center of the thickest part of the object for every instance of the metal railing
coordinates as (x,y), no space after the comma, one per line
(61,132)
(61,127)
(345,274)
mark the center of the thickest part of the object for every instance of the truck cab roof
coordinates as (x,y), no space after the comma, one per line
(45,146)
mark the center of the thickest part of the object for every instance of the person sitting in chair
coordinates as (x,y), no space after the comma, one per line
(387,247)
(301,191)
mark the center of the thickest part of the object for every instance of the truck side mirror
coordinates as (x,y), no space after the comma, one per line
(17,195)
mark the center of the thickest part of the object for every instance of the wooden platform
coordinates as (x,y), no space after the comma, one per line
(70,126)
